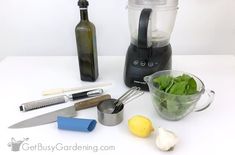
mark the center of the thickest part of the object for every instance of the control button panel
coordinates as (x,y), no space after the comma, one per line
(141,63)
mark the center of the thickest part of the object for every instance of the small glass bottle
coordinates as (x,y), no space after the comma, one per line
(86,45)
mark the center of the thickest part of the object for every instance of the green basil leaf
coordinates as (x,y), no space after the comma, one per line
(192,87)
(163,81)
(178,88)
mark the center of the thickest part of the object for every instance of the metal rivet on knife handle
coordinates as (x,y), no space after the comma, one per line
(91,102)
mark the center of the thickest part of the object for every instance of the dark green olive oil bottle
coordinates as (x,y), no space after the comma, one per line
(86,45)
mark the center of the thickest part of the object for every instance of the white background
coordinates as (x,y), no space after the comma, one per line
(46,27)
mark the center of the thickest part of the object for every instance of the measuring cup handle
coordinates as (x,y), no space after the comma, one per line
(210,97)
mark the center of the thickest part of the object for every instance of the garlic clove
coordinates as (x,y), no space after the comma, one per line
(166,140)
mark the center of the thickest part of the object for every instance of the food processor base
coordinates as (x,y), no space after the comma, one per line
(141,62)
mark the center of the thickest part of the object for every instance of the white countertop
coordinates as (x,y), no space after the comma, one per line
(209,132)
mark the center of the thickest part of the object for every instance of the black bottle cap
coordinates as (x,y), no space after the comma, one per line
(83,3)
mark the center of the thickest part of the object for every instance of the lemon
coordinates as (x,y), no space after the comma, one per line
(140,126)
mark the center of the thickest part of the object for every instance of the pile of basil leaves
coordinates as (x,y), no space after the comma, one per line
(181,87)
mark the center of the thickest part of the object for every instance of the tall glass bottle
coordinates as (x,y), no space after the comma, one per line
(86,45)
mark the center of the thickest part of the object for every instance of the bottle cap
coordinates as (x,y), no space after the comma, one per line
(83,3)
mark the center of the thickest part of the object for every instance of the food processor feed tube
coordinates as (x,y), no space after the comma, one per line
(86,45)
(151,23)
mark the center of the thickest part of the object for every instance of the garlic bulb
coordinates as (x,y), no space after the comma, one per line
(166,140)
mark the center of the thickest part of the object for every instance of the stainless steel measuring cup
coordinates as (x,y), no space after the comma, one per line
(105,115)
(110,112)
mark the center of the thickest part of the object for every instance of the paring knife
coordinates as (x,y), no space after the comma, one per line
(67,112)
(59,99)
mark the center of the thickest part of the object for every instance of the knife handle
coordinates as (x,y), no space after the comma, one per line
(91,102)
(85,94)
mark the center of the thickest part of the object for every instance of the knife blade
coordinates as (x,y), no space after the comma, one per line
(67,112)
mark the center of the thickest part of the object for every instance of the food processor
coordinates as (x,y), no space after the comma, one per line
(151,23)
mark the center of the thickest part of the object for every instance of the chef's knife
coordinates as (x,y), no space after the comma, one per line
(67,112)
